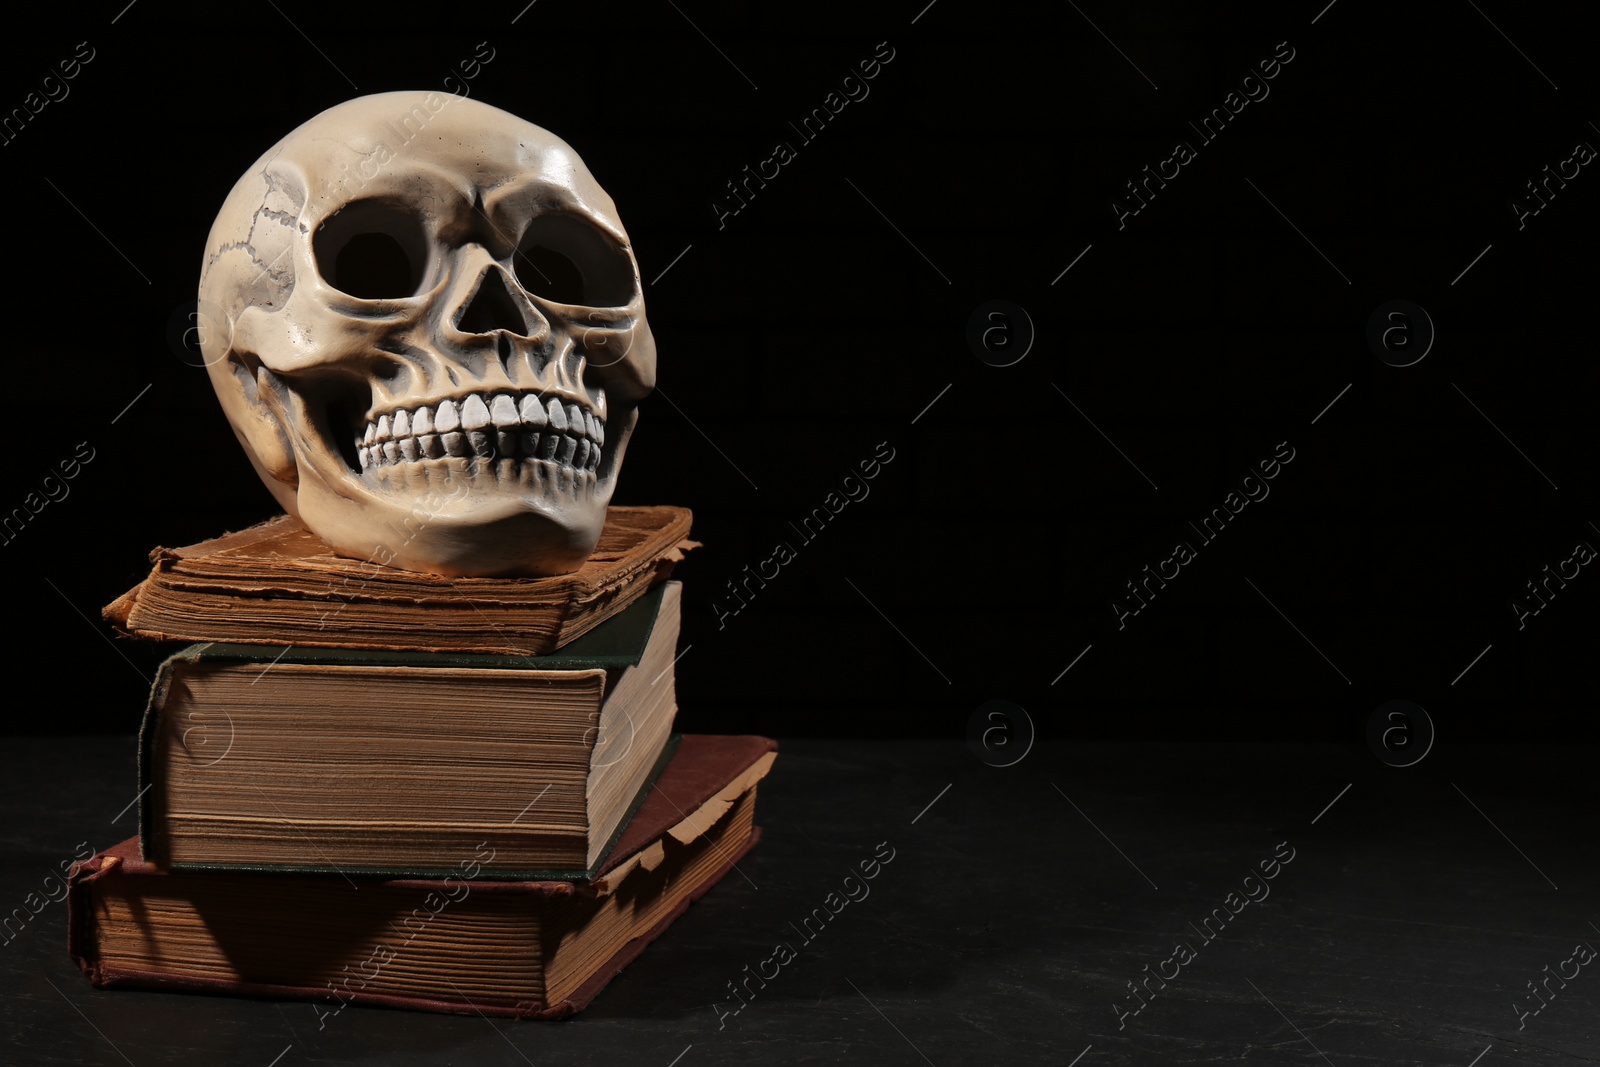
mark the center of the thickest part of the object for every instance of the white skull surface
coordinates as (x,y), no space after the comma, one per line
(428,332)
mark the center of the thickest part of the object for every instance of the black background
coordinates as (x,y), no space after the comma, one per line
(827,315)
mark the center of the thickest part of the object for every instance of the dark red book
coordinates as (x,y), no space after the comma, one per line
(462,943)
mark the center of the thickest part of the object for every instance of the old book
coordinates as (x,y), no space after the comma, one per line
(463,943)
(277,584)
(392,763)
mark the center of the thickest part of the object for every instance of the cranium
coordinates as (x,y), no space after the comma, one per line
(428,332)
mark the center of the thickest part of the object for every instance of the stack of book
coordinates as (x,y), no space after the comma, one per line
(361,785)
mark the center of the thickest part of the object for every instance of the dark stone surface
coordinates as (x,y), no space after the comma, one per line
(1016,908)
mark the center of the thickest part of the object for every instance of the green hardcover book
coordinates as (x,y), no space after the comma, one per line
(378,762)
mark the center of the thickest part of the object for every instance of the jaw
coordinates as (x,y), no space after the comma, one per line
(490,501)
(434,534)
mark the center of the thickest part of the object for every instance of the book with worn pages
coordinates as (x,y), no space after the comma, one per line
(463,943)
(278,584)
(400,763)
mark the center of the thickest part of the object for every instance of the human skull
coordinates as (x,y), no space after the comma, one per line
(428,332)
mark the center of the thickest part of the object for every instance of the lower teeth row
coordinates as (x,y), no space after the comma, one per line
(560,448)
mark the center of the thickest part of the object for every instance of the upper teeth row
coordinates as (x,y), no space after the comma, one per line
(477,412)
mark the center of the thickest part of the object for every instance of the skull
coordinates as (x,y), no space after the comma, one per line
(428,332)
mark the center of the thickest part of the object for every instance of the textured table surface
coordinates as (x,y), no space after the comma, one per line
(1417,907)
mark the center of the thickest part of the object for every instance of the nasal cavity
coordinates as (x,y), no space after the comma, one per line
(492,308)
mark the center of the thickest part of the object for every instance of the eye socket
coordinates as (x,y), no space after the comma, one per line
(372,250)
(569,261)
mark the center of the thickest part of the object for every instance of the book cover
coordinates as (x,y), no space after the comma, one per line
(277,584)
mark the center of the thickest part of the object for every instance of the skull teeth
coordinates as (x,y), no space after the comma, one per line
(474,413)
(504,413)
(447,421)
(497,427)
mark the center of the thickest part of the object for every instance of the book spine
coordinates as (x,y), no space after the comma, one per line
(82,943)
